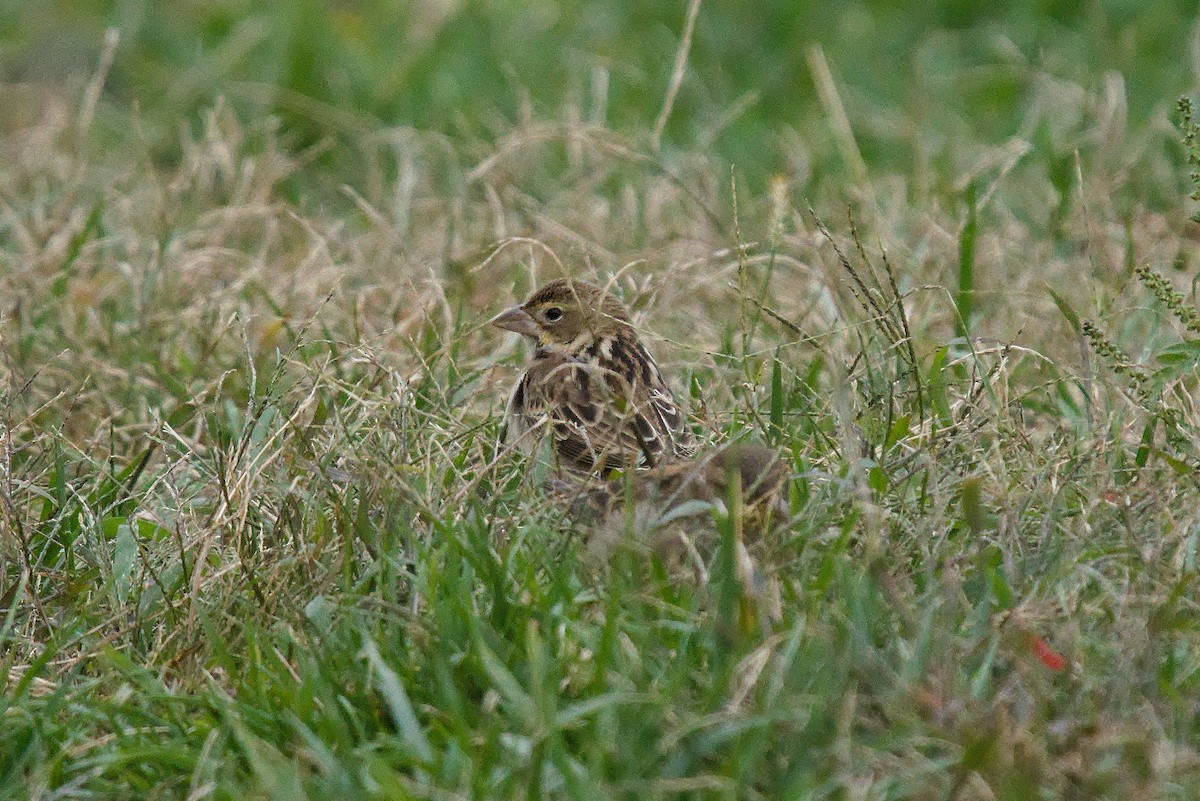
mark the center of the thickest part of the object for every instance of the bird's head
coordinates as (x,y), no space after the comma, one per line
(566,313)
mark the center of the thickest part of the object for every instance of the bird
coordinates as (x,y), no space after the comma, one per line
(671,510)
(750,475)
(591,383)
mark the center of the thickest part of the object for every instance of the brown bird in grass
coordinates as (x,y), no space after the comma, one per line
(668,510)
(591,383)
(751,475)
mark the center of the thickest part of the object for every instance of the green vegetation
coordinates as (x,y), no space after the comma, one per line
(256,536)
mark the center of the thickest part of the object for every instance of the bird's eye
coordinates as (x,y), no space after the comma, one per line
(553,314)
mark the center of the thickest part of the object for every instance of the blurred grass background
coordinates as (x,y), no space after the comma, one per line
(922,82)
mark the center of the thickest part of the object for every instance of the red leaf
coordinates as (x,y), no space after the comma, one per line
(1047,655)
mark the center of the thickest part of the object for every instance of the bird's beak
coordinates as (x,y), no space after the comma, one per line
(516,319)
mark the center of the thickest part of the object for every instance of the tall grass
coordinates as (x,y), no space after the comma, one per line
(259,540)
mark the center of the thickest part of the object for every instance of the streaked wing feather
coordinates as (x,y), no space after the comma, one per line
(633,362)
(592,420)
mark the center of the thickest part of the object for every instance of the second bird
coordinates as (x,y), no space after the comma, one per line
(591,383)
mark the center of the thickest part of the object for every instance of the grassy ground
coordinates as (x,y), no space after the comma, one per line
(257,540)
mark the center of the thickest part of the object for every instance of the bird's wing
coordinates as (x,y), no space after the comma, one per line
(597,422)
(662,419)
(594,415)
(607,408)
